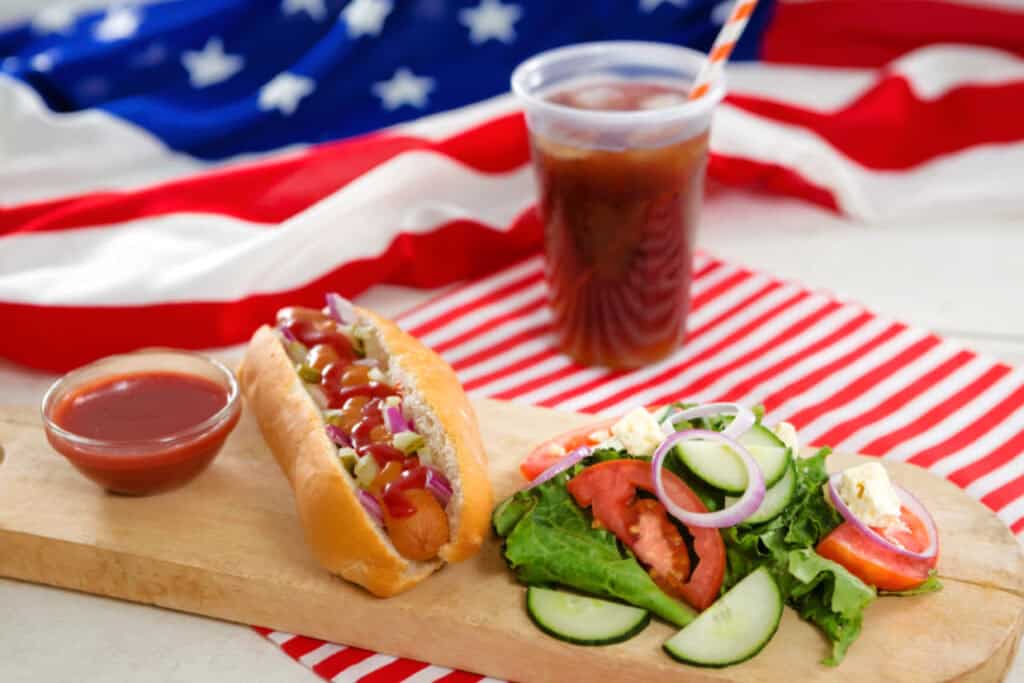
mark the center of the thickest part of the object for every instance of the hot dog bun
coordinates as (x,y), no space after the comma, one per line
(343,537)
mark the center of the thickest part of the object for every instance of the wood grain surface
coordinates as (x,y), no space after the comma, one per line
(228,546)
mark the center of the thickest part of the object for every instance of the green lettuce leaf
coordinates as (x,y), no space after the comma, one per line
(930,585)
(826,594)
(821,591)
(551,540)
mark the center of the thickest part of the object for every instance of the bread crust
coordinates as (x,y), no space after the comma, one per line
(338,530)
(439,388)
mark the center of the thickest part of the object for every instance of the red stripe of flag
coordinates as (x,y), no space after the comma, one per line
(504,345)
(866,129)
(537,382)
(485,299)
(770,179)
(869,33)
(510,369)
(300,645)
(459,677)
(341,660)
(936,414)
(273,190)
(677,368)
(865,382)
(971,432)
(709,378)
(811,379)
(531,306)
(691,335)
(41,331)
(748,385)
(1006,494)
(547,354)
(398,670)
(895,401)
(1007,451)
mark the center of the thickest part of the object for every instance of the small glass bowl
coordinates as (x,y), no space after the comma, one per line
(138,467)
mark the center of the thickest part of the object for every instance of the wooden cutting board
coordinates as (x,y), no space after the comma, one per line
(229,546)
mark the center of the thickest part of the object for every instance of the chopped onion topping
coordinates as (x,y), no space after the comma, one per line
(562,465)
(341,308)
(371,505)
(908,500)
(743,421)
(747,504)
(338,436)
(396,420)
(438,485)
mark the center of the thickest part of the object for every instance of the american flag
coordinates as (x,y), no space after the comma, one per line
(171,173)
(174,171)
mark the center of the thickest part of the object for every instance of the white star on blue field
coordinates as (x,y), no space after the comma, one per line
(219,78)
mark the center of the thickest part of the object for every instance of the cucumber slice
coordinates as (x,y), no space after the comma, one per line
(719,466)
(775,499)
(759,435)
(733,629)
(583,620)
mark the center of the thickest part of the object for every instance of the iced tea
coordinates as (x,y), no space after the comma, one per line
(619,229)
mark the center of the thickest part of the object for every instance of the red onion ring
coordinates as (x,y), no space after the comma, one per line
(371,505)
(396,421)
(743,421)
(906,498)
(570,459)
(747,504)
(341,308)
(338,437)
(438,485)
(287,334)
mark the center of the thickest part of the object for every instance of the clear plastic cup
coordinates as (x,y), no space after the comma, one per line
(620,155)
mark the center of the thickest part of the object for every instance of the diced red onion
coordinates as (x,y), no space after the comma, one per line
(907,499)
(338,436)
(438,485)
(341,308)
(396,421)
(371,505)
(287,334)
(570,459)
(367,362)
(743,421)
(748,503)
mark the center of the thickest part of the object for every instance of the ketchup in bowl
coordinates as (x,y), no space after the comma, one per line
(142,422)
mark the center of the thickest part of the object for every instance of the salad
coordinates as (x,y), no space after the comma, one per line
(706,518)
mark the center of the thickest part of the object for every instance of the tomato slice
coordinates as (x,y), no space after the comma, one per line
(609,489)
(876,565)
(544,455)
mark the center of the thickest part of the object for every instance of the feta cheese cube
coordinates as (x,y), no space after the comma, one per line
(868,492)
(787,435)
(639,432)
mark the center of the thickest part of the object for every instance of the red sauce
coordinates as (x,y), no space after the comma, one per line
(619,234)
(148,427)
(349,389)
(146,406)
(394,493)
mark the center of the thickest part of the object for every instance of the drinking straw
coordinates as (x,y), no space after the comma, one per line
(724,43)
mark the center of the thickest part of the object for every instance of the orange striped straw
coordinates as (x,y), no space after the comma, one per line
(724,43)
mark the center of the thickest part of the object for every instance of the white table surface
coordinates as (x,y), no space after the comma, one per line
(959,277)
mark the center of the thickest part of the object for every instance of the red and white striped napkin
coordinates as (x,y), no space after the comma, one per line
(845,376)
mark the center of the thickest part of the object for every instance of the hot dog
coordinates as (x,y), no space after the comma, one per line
(378,440)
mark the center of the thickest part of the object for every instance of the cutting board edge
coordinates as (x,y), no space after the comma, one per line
(90,559)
